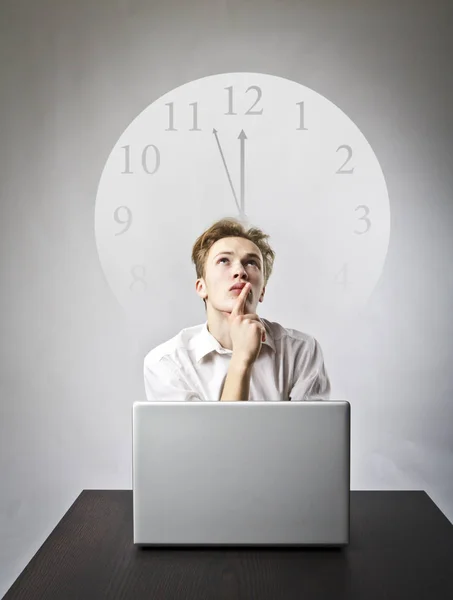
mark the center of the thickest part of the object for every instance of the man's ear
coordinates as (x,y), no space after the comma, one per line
(262,294)
(200,288)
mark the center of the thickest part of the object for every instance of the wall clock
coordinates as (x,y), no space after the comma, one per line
(266,150)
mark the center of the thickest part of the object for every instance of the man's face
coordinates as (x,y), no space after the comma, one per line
(230,261)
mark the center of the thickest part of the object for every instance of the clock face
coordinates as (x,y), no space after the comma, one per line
(266,150)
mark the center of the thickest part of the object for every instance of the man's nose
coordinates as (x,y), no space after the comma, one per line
(240,270)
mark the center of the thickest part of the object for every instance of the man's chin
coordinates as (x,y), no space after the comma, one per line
(227,306)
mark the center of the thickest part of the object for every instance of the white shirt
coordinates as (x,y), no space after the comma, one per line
(193,365)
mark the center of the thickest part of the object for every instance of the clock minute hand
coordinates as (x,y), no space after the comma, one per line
(214,131)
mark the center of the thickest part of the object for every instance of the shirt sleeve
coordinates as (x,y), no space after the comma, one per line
(311,381)
(164,382)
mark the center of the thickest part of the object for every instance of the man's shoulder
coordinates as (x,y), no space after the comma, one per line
(288,334)
(182,341)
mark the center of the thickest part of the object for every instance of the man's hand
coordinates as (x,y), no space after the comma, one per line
(246,330)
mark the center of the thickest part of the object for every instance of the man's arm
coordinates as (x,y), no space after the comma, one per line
(237,382)
(245,331)
(311,381)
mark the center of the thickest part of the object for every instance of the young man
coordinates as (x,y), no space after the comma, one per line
(235,355)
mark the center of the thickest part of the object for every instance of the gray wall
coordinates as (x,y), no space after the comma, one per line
(73,76)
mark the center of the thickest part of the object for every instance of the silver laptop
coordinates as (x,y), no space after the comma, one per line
(241,473)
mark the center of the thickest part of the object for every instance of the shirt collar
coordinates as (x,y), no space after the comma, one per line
(205,342)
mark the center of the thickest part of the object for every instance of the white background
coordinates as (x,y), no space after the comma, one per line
(73,76)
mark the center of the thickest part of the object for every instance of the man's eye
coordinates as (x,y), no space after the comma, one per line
(250,260)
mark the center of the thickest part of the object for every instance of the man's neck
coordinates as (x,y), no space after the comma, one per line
(218,327)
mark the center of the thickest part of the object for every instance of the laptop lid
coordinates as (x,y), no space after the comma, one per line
(241,473)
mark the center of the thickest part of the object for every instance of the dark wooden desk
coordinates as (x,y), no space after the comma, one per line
(401,546)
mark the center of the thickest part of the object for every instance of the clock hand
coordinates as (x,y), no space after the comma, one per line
(214,131)
(242,137)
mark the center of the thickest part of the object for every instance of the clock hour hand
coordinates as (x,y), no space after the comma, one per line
(242,137)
